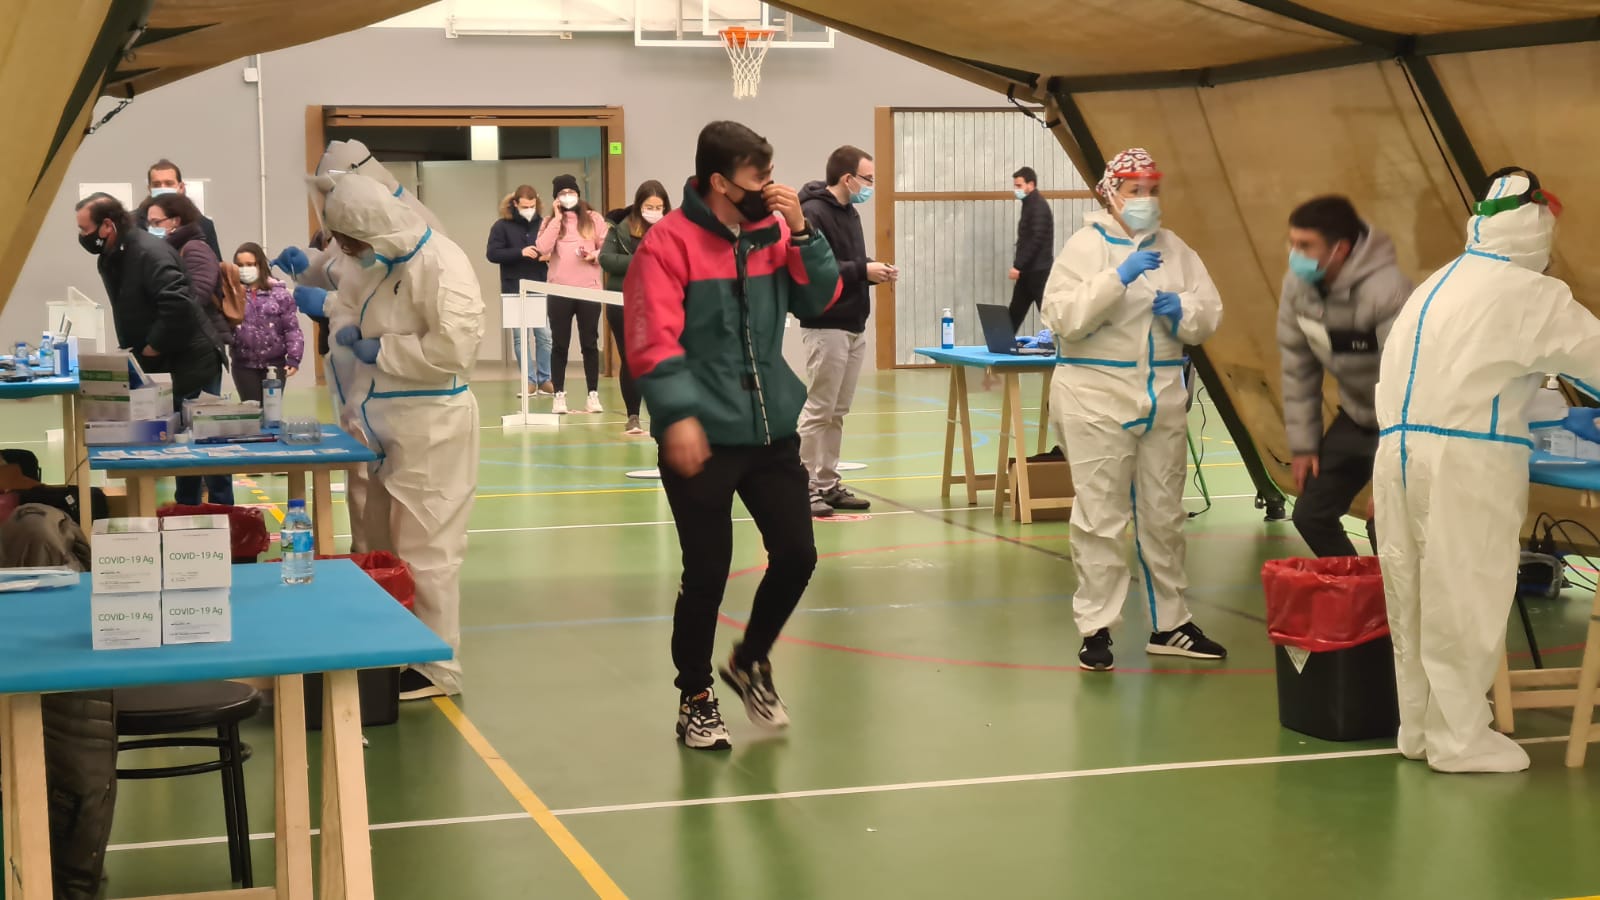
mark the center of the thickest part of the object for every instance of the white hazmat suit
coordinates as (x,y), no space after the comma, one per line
(421,301)
(1119,400)
(1464,358)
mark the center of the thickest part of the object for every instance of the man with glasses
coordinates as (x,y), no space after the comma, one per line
(836,341)
(163,178)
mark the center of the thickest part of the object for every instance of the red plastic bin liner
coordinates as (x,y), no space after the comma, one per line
(1322,605)
(389,571)
(247,527)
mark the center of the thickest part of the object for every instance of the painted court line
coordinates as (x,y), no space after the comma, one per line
(1067,775)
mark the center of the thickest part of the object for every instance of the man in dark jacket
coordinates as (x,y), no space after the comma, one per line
(164,177)
(836,341)
(511,247)
(149,292)
(723,404)
(1036,243)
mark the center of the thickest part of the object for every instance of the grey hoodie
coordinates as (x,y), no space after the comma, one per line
(1341,333)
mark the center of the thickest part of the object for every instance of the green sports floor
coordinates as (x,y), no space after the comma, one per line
(945,743)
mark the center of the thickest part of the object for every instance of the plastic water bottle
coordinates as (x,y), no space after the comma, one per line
(947,330)
(299,545)
(1546,411)
(272,399)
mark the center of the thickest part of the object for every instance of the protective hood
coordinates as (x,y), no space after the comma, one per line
(363,208)
(353,156)
(1523,235)
(1373,253)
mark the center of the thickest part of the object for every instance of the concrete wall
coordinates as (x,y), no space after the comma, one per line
(811,101)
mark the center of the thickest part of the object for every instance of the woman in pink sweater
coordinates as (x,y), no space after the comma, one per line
(571,239)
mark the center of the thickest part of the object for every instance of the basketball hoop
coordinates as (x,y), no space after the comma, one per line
(747,47)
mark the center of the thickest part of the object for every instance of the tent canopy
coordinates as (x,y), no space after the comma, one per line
(1252,106)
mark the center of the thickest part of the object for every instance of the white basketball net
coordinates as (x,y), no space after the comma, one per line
(747,47)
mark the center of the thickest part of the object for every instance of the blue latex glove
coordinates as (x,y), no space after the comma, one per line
(347,336)
(1169,305)
(310,300)
(292,260)
(1580,421)
(366,350)
(1139,263)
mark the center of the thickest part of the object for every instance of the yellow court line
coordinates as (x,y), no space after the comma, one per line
(597,878)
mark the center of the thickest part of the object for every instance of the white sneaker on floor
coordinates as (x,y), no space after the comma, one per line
(560,406)
(594,402)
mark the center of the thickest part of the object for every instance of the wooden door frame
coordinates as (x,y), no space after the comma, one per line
(609,119)
(886,197)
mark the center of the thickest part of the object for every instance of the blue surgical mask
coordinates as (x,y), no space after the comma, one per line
(162,191)
(862,195)
(368,259)
(1141,214)
(158,231)
(1304,267)
(1021,194)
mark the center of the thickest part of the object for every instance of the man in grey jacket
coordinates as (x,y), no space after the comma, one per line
(1341,294)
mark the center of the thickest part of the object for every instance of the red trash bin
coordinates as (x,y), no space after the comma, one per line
(1330,625)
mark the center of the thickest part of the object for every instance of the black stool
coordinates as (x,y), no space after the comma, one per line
(177,708)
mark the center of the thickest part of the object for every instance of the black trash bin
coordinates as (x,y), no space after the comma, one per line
(1335,658)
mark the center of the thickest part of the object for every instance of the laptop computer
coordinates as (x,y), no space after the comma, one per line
(999,334)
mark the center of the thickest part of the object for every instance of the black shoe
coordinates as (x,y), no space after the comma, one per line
(819,507)
(700,725)
(1095,654)
(841,498)
(1185,640)
(753,684)
(415,686)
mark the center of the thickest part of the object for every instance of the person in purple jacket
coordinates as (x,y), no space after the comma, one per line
(270,334)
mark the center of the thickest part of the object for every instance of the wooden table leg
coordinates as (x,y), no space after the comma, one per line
(322,511)
(293,789)
(77,460)
(1588,678)
(1505,720)
(1044,412)
(951,418)
(27,810)
(346,840)
(1023,497)
(297,485)
(1009,398)
(142,495)
(964,413)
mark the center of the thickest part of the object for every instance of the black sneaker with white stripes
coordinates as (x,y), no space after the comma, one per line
(1095,654)
(700,725)
(753,683)
(1185,640)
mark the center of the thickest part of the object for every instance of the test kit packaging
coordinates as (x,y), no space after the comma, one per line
(195,553)
(196,617)
(126,556)
(109,374)
(223,420)
(159,430)
(125,621)
(114,388)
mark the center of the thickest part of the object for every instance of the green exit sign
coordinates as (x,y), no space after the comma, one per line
(616,148)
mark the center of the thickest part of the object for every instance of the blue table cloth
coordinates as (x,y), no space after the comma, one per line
(341,620)
(980,357)
(336,447)
(1564,472)
(51,386)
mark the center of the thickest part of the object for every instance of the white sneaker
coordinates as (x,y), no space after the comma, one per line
(594,402)
(560,406)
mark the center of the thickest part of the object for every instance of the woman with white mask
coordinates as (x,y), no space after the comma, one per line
(1124,298)
(650,205)
(571,239)
(269,336)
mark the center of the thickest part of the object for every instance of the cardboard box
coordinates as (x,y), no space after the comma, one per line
(152,431)
(224,420)
(109,374)
(1046,481)
(196,617)
(196,553)
(125,621)
(152,401)
(126,556)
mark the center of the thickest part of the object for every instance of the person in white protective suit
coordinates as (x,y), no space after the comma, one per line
(1464,358)
(1123,299)
(318,272)
(416,317)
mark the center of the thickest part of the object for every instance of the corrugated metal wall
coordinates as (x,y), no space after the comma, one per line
(956,253)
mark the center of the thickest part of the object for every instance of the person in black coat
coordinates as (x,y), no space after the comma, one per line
(511,247)
(1036,241)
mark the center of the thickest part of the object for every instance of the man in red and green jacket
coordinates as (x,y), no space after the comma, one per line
(705,303)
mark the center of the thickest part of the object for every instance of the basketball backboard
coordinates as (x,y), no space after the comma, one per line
(699,23)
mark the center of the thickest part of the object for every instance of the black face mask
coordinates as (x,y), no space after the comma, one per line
(92,242)
(753,206)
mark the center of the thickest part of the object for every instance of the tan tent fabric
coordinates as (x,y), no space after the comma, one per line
(1437,16)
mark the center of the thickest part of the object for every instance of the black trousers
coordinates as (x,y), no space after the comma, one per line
(1346,467)
(776,490)
(562,311)
(248,381)
(1028,291)
(630,387)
